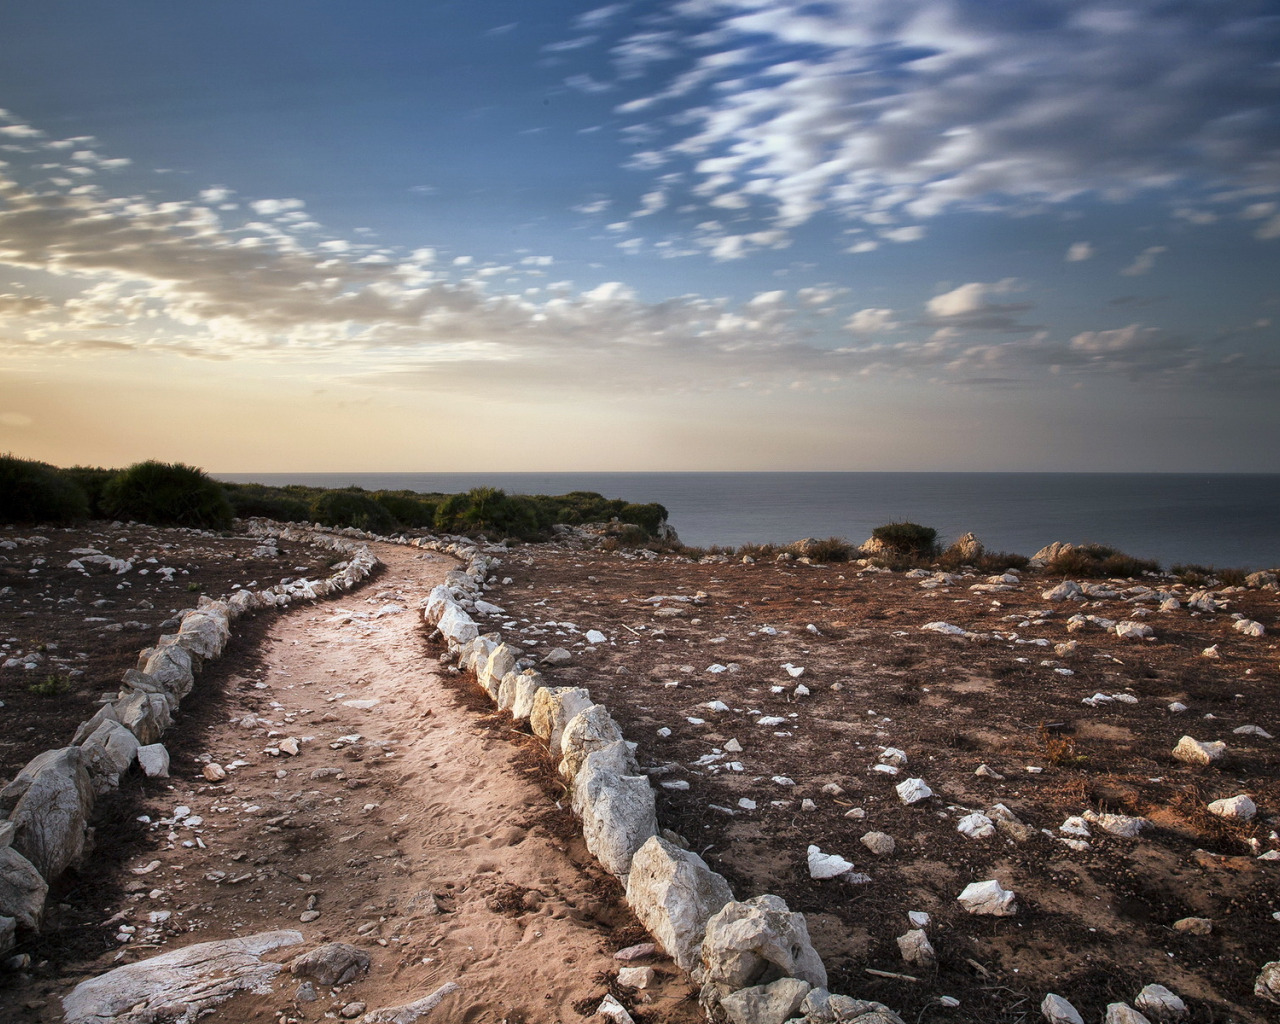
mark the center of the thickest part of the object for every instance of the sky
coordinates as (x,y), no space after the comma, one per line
(985,235)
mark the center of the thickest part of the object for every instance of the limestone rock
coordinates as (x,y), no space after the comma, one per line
(1130,630)
(553,706)
(1122,825)
(912,791)
(106,713)
(499,663)
(172,667)
(49,803)
(457,627)
(636,977)
(879,843)
(988,899)
(1158,1002)
(22,890)
(673,893)
(204,633)
(146,715)
(334,963)
(1067,590)
(976,826)
(1192,751)
(410,1012)
(1238,808)
(1057,1010)
(618,813)
(111,750)
(1123,1013)
(916,948)
(590,729)
(1048,553)
(968,548)
(8,931)
(527,685)
(774,1003)
(153,759)
(1268,984)
(611,1009)
(1193,925)
(756,942)
(180,986)
(827,865)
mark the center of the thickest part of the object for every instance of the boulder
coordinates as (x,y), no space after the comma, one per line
(1048,553)
(489,674)
(49,804)
(916,948)
(241,603)
(673,894)
(1193,751)
(204,633)
(1067,590)
(989,899)
(111,750)
(456,626)
(756,942)
(22,890)
(1268,984)
(526,688)
(8,932)
(1057,1010)
(180,986)
(85,729)
(172,666)
(590,729)
(553,706)
(1158,1002)
(774,1003)
(617,810)
(1130,630)
(968,548)
(334,963)
(437,601)
(146,715)
(153,759)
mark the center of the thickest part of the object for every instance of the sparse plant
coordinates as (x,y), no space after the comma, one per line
(1061,750)
(50,686)
(1100,561)
(352,507)
(907,538)
(833,549)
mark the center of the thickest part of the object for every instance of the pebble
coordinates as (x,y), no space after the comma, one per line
(352,1010)
(214,772)
(309,915)
(1194,926)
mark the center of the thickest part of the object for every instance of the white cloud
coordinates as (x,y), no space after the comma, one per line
(20,131)
(594,206)
(269,207)
(587,84)
(871,321)
(1144,261)
(651,203)
(920,106)
(907,234)
(1077,252)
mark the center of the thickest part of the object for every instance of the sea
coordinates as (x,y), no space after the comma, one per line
(1209,519)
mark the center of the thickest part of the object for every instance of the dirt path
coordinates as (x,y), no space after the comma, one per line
(406,824)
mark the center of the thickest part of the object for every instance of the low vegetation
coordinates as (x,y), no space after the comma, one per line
(167,494)
(1098,560)
(33,492)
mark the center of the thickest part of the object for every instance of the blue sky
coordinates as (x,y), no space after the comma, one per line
(702,234)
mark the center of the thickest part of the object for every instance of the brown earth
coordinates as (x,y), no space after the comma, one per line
(434,842)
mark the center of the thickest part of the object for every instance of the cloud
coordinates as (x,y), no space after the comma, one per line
(20,131)
(916,107)
(587,84)
(871,321)
(1144,261)
(1078,252)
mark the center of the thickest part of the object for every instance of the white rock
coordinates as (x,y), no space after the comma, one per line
(1160,1003)
(826,865)
(749,941)
(912,791)
(916,948)
(945,628)
(673,893)
(611,1009)
(1116,824)
(594,636)
(1253,730)
(989,899)
(733,747)
(1057,1010)
(1268,984)
(794,671)
(1067,590)
(879,843)
(893,756)
(1130,630)
(1177,707)
(153,759)
(1210,652)
(1192,751)
(1249,628)
(918,919)
(1123,1013)
(976,826)
(635,977)
(1075,826)
(987,772)
(1239,808)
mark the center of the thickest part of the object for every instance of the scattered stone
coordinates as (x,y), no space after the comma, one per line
(306,993)
(1193,925)
(1130,630)
(1177,707)
(826,865)
(1116,824)
(611,1009)
(1192,751)
(636,977)
(214,772)
(1268,984)
(335,963)
(195,979)
(879,843)
(912,791)
(916,948)
(639,951)
(352,1010)
(1057,1010)
(289,746)
(747,941)
(1160,1003)
(918,919)
(987,772)
(557,656)
(976,826)
(1237,808)
(1249,628)
(309,915)
(762,1004)
(1123,1013)
(1253,730)
(1067,590)
(989,899)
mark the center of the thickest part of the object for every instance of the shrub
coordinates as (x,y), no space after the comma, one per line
(93,481)
(408,509)
(907,538)
(167,494)
(1099,560)
(833,549)
(33,492)
(352,507)
(648,517)
(50,686)
(268,502)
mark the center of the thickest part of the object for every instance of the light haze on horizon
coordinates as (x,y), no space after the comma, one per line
(687,235)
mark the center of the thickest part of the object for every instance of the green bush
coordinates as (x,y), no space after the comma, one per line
(167,494)
(266,502)
(648,517)
(408,509)
(907,538)
(833,549)
(93,481)
(33,492)
(352,507)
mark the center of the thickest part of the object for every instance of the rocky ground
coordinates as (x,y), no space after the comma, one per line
(778,707)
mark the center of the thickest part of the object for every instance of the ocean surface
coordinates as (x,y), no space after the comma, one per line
(1222,520)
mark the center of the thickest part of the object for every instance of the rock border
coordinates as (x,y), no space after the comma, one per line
(46,809)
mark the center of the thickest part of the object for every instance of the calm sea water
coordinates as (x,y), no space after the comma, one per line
(1225,520)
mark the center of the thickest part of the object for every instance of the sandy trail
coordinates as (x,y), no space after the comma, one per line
(407,824)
